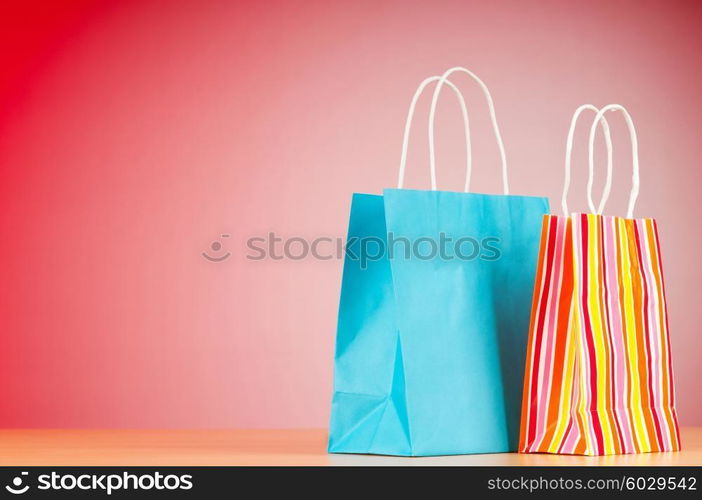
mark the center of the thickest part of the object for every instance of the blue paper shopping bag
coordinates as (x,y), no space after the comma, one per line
(432,330)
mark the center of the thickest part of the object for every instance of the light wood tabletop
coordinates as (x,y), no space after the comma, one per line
(56,447)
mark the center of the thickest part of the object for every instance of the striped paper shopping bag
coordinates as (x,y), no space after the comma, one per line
(599,378)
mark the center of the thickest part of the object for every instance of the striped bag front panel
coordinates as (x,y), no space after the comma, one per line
(598,373)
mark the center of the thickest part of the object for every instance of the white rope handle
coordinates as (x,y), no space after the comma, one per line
(634,155)
(569,153)
(491,106)
(408,126)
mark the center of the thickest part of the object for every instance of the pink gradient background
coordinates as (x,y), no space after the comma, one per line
(132,134)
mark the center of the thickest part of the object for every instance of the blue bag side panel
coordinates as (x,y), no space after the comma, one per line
(368,413)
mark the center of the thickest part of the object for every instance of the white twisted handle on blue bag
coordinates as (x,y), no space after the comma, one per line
(569,153)
(634,156)
(408,126)
(496,128)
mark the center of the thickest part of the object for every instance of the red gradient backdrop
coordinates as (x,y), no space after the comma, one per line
(134,133)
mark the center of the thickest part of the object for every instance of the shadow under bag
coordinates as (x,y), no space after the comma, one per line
(431,343)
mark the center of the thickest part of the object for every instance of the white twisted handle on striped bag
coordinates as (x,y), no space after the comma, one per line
(569,152)
(634,156)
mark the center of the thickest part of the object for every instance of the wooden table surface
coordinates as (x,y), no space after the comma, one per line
(54,447)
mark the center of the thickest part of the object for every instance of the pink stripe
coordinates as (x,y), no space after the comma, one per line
(570,439)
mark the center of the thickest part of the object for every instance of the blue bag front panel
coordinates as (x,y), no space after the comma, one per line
(463,322)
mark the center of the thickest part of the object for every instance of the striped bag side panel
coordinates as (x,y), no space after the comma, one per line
(662,388)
